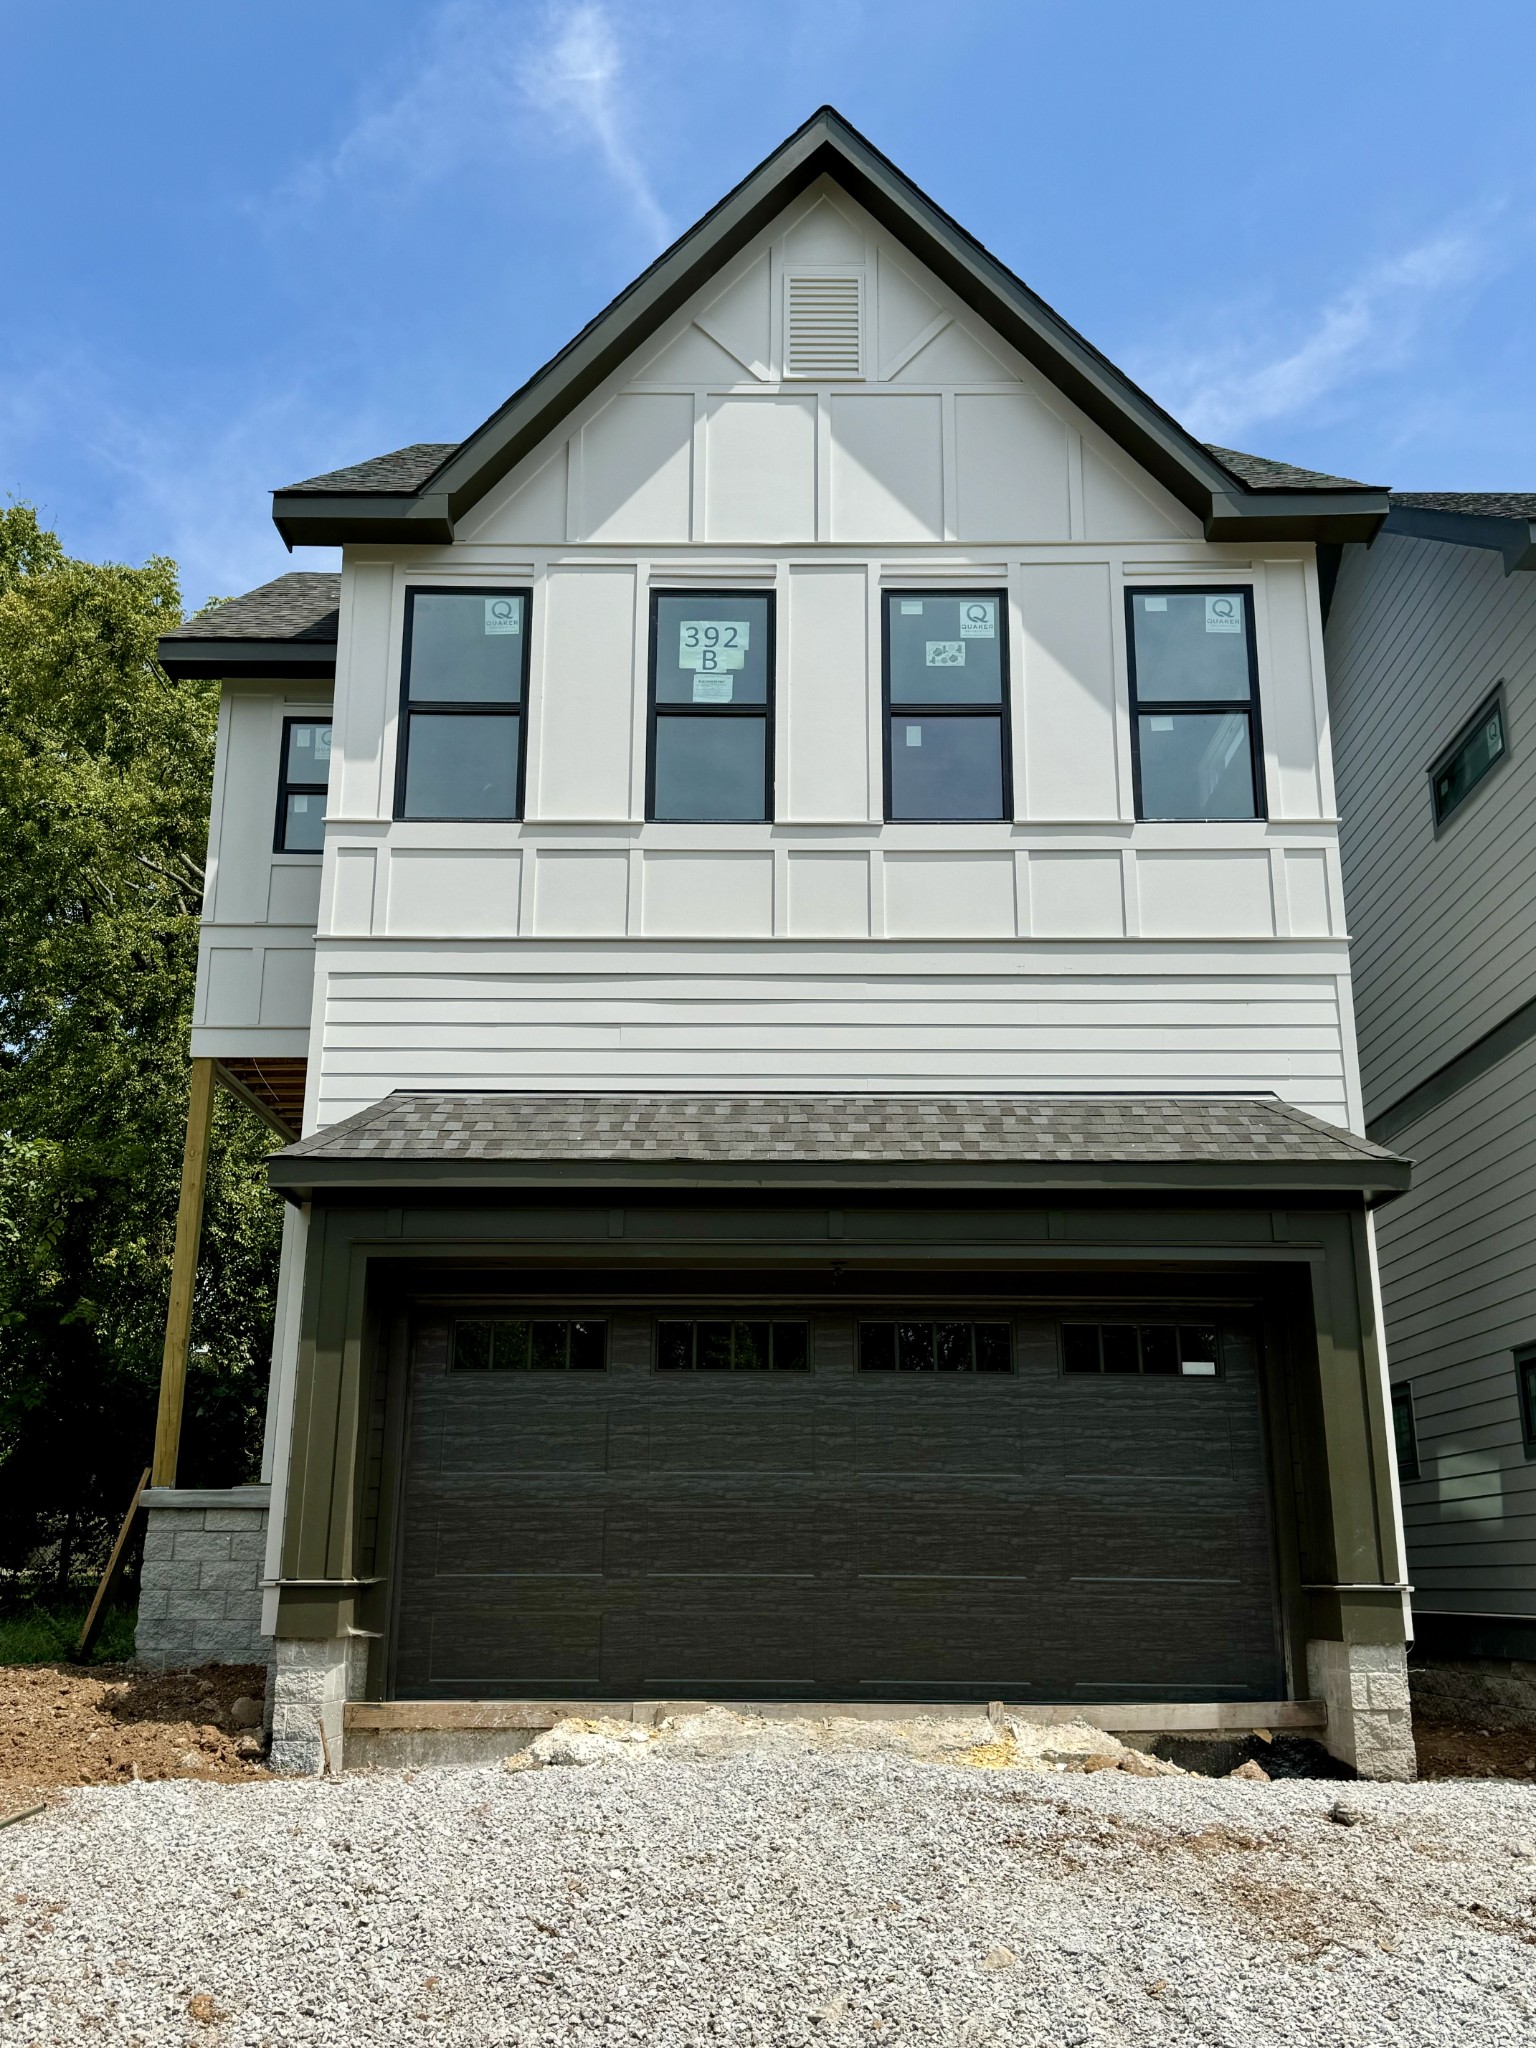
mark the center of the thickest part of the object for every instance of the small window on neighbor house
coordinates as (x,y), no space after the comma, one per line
(1405,1436)
(528,1344)
(923,1346)
(711,753)
(1172,1350)
(1194,705)
(301,785)
(1525,1372)
(749,1346)
(1474,753)
(946,706)
(461,712)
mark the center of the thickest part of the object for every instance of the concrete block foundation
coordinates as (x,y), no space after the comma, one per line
(200,1587)
(310,1686)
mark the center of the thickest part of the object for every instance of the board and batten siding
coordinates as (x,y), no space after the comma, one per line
(1443,927)
(1066,947)
(256,956)
(1444,949)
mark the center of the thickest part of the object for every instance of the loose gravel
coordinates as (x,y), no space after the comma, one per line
(770,1898)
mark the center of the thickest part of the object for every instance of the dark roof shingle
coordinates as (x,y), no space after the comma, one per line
(489,1130)
(1479,504)
(400,472)
(1261,474)
(299,606)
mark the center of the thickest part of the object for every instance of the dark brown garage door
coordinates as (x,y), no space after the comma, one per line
(836,1506)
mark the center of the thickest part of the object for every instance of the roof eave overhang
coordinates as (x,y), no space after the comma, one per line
(1514,539)
(827,146)
(304,1179)
(312,520)
(197,661)
(1297,515)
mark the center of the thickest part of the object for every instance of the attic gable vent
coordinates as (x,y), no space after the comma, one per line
(823,325)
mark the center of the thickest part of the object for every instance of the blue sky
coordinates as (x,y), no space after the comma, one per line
(250,241)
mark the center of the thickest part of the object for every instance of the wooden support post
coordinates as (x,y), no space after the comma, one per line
(178,1318)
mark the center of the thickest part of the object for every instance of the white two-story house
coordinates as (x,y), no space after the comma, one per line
(789,896)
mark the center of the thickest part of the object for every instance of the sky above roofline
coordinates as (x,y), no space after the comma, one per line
(228,269)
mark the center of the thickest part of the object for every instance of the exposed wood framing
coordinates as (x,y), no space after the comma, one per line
(273,1088)
(114,1570)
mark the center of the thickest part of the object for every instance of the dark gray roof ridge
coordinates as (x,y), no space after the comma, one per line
(301,605)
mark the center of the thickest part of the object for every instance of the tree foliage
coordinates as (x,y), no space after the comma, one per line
(105,770)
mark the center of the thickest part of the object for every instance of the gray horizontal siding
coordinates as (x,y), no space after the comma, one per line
(1458,1274)
(1443,929)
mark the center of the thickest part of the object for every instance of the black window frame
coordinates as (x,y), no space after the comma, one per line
(1408,1468)
(1525,1387)
(462,707)
(765,711)
(933,1322)
(1163,707)
(1002,710)
(1172,1322)
(692,1319)
(527,1319)
(1494,701)
(286,789)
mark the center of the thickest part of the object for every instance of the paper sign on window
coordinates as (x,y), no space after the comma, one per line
(1223,615)
(1154,604)
(946,654)
(503,615)
(711,689)
(978,618)
(912,607)
(713,646)
(914,735)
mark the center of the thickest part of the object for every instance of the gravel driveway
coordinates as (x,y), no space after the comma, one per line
(762,1899)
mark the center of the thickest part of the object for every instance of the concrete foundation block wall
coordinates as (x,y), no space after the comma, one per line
(1488,1692)
(311,1684)
(200,1588)
(1370,1720)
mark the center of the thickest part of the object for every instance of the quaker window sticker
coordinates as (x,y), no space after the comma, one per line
(503,615)
(1222,614)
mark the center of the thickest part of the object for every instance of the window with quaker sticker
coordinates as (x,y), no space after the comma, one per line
(946,706)
(1195,704)
(710,758)
(303,777)
(462,695)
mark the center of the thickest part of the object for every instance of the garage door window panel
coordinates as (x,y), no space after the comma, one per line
(1183,1350)
(719,1346)
(528,1344)
(923,1346)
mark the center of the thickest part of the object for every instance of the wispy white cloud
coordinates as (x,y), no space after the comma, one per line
(1372,325)
(478,86)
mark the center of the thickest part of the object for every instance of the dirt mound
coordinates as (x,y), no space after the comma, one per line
(62,1726)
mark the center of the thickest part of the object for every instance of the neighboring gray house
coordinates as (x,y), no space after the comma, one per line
(1431,642)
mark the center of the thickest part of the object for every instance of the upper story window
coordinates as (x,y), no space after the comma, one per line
(946,706)
(461,711)
(711,711)
(1475,752)
(301,785)
(1195,704)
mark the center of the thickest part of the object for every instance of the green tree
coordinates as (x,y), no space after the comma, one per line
(105,770)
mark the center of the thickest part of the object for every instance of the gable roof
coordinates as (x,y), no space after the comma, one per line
(400,498)
(1502,521)
(285,628)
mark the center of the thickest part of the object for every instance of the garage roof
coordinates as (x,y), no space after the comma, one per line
(905,1141)
(286,628)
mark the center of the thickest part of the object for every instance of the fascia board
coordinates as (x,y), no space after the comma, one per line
(1297,515)
(1514,539)
(199,661)
(826,145)
(325,521)
(302,1178)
